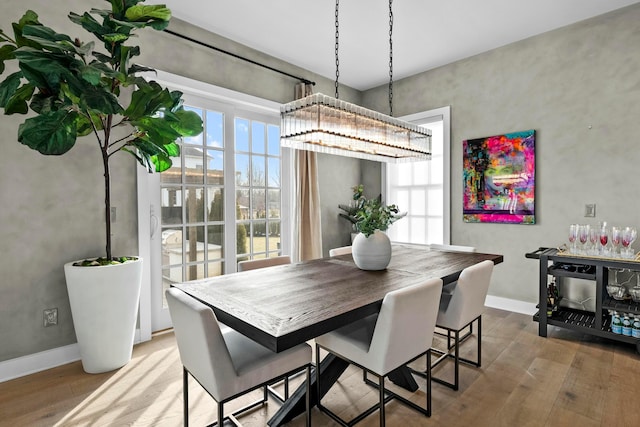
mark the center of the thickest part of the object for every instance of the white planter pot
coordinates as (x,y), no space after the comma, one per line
(373,252)
(104,305)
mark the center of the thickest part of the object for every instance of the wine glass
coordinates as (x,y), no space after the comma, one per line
(604,239)
(573,235)
(616,239)
(593,239)
(629,235)
(583,236)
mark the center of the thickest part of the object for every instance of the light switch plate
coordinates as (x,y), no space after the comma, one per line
(590,210)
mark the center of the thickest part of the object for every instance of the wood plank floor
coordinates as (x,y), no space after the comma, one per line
(564,380)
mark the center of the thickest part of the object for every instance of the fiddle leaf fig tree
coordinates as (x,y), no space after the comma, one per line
(73,89)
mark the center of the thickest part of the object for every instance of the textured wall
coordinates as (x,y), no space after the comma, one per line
(579,88)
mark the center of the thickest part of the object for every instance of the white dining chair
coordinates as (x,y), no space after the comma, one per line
(401,332)
(448,288)
(263,263)
(344,250)
(226,363)
(460,310)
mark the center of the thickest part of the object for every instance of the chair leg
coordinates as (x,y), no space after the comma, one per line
(457,359)
(479,341)
(318,377)
(381,388)
(308,397)
(185,395)
(220,414)
(429,382)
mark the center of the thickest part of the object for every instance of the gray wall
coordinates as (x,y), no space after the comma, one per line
(579,88)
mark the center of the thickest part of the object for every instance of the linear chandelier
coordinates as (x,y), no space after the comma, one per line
(325,124)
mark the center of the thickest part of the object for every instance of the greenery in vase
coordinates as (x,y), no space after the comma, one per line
(369,215)
(75,89)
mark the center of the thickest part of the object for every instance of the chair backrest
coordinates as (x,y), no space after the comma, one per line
(262,263)
(344,250)
(202,348)
(467,299)
(405,325)
(452,248)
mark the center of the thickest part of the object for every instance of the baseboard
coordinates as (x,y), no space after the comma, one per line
(32,363)
(513,305)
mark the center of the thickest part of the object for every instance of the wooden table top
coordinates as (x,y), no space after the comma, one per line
(286,305)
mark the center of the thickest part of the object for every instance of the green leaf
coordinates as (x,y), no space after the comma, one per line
(83,126)
(29,18)
(43,104)
(38,79)
(50,67)
(58,47)
(6,54)
(44,33)
(157,129)
(172,149)
(8,87)
(90,74)
(89,23)
(147,100)
(135,68)
(115,37)
(50,134)
(189,123)
(148,13)
(18,102)
(162,162)
(96,98)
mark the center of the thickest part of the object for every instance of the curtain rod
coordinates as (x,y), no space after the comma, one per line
(182,36)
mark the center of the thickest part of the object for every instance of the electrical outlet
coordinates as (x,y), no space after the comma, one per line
(590,210)
(50,317)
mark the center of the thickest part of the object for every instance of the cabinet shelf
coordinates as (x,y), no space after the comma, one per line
(585,322)
(558,271)
(625,306)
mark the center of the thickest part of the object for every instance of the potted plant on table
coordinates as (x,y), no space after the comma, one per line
(372,247)
(75,89)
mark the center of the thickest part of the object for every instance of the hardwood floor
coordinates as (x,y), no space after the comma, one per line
(563,380)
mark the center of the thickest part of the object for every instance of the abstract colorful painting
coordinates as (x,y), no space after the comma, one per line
(499,178)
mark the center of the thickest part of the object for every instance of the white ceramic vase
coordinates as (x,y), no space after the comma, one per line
(373,252)
(104,305)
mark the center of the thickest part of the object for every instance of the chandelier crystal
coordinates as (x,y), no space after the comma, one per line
(325,124)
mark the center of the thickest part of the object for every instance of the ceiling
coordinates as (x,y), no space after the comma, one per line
(426,34)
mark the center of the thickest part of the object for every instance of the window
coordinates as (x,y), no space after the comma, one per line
(422,188)
(223,199)
(258,190)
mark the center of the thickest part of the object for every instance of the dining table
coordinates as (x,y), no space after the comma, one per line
(283,306)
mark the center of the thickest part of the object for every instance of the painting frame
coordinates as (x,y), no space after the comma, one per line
(498,176)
